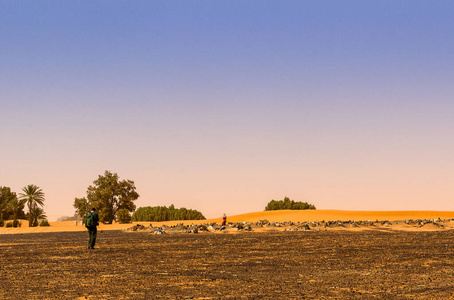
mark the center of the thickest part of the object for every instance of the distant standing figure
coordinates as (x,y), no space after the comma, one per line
(224,220)
(91,223)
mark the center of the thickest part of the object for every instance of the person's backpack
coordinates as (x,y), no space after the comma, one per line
(90,222)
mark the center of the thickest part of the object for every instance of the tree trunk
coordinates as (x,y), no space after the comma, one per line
(29,214)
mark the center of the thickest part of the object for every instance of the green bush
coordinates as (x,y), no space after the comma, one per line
(44,223)
(288,204)
(162,213)
(123,216)
(13,224)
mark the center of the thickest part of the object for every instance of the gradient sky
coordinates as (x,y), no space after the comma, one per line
(222,106)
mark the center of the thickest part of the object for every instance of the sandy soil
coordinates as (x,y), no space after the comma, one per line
(272,216)
(270,265)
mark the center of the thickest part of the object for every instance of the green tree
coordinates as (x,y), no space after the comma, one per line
(34,196)
(6,196)
(82,206)
(123,216)
(108,195)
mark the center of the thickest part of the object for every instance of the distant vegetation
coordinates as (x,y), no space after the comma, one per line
(108,195)
(12,206)
(68,218)
(162,213)
(44,223)
(14,224)
(114,201)
(123,216)
(288,204)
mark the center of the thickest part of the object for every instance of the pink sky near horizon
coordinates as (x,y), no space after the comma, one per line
(238,170)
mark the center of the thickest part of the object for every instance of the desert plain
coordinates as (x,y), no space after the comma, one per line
(386,260)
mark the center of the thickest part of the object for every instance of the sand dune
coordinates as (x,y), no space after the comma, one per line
(319,215)
(272,216)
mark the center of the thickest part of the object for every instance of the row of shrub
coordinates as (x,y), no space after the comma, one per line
(288,204)
(19,224)
(163,213)
(13,224)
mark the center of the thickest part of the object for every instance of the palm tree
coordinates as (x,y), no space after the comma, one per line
(16,205)
(38,214)
(34,196)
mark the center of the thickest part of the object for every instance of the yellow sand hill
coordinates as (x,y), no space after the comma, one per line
(344,215)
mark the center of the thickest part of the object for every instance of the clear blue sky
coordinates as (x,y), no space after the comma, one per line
(222,106)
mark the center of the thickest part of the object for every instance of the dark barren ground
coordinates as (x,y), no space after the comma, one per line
(273,265)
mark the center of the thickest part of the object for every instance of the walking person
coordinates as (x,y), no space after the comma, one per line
(224,220)
(91,223)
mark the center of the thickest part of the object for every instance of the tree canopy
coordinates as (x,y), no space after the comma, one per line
(162,213)
(10,206)
(288,204)
(108,195)
(6,197)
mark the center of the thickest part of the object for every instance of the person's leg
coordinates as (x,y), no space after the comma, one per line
(93,241)
(90,238)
